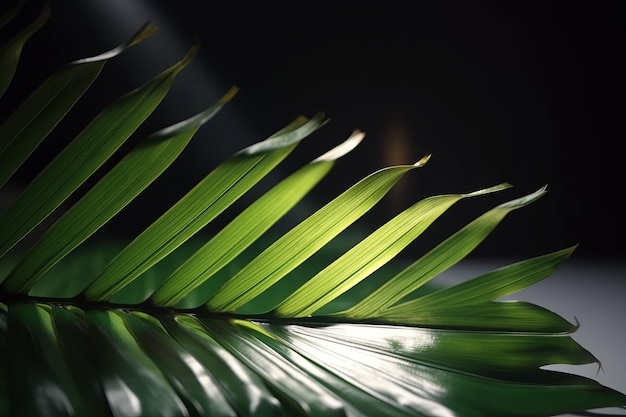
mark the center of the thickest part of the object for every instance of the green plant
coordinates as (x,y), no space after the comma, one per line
(163,326)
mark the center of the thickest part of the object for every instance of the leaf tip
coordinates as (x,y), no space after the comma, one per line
(348,145)
(229,95)
(422,161)
(525,200)
(290,135)
(147,30)
(190,55)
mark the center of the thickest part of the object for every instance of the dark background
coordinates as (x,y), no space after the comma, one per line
(528,93)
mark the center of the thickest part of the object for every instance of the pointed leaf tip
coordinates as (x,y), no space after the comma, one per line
(229,95)
(147,30)
(144,32)
(527,199)
(295,132)
(487,190)
(342,149)
(422,161)
(190,55)
(195,121)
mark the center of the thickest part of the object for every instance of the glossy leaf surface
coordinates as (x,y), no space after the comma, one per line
(174,365)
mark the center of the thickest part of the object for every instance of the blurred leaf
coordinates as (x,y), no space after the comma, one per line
(11,51)
(9,15)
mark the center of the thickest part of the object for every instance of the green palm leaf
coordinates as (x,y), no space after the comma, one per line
(84,155)
(125,181)
(371,253)
(305,239)
(438,260)
(223,186)
(247,227)
(30,123)
(90,328)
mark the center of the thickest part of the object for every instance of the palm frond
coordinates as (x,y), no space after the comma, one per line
(177,323)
